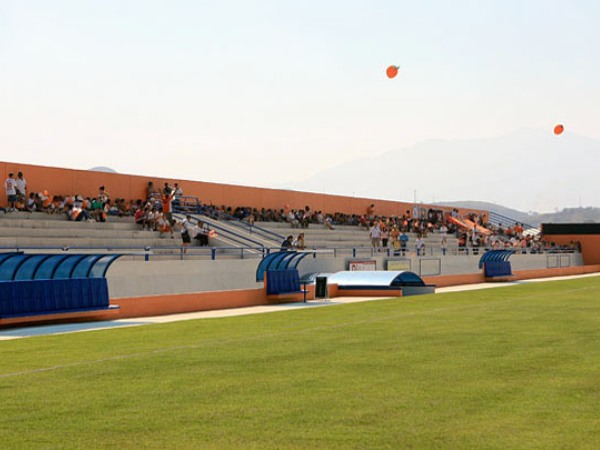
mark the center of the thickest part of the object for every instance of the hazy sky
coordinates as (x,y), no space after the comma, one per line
(266,92)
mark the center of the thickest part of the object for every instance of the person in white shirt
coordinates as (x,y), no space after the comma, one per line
(375,234)
(187,228)
(178,193)
(10,186)
(21,187)
(443,233)
(420,246)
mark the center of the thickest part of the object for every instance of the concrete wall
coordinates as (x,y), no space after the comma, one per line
(143,278)
(590,244)
(449,264)
(147,278)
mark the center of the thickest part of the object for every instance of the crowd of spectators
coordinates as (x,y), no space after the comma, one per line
(391,231)
(154,212)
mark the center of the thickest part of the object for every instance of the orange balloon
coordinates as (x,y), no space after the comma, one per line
(558,129)
(392,71)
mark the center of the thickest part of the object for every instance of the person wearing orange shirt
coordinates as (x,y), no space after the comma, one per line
(167,207)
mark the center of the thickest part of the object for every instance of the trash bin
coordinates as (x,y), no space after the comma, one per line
(321,287)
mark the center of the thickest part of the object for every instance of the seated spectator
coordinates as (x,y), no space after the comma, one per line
(140,218)
(96,209)
(287,243)
(150,218)
(291,218)
(329,222)
(163,225)
(110,209)
(31,205)
(202,234)
(298,243)
(77,214)
(320,218)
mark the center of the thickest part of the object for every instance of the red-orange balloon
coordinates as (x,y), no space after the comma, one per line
(392,71)
(558,129)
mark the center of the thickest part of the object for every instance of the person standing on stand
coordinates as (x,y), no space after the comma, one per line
(420,246)
(375,235)
(186,232)
(177,194)
(403,242)
(167,199)
(21,188)
(444,234)
(10,186)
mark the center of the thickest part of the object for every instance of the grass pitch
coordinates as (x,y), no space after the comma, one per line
(514,367)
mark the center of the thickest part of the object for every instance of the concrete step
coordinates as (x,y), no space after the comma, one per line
(76,232)
(66,224)
(41,242)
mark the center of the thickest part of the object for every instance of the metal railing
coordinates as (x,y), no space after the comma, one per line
(497,219)
(226,253)
(192,206)
(188,204)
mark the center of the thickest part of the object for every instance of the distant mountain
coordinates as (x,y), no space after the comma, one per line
(103,169)
(530,170)
(567,215)
(514,214)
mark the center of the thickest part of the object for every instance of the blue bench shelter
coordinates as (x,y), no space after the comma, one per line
(42,284)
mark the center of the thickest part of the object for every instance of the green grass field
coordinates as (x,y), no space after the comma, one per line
(507,368)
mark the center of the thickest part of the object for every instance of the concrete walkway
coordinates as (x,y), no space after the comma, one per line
(49,329)
(44,330)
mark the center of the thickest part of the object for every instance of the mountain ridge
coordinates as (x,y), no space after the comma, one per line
(530,170)
(566,215)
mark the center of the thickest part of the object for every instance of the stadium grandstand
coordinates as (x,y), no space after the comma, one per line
(140,220)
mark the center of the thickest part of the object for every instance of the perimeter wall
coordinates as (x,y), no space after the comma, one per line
(588,234)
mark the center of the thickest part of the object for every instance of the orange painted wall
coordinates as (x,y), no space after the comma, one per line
(590,245)
(157,305)
(556,272)
(473,278)
(79,316)
(61,181)
(369,293)
(455,280)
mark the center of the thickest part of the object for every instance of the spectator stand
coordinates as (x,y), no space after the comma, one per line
(496,266)
(49,287)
